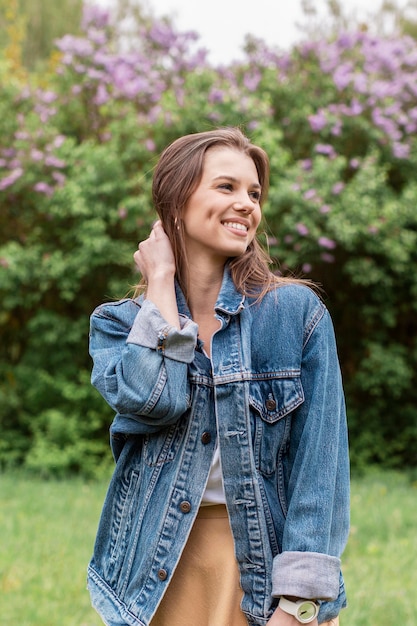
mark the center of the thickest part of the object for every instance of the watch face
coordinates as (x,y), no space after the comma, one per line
(306,612)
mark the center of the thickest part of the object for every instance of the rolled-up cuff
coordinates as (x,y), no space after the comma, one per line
(151,330)
(308,575)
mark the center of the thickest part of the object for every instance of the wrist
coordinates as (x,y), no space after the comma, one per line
(161,275)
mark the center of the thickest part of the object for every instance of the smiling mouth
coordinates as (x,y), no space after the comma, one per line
(236,226)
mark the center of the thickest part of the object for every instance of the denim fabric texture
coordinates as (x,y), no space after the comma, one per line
(272,395)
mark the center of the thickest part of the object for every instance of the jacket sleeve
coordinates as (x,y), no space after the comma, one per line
(140,363)
(317,522)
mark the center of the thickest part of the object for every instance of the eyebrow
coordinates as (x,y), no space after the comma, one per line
(232,179)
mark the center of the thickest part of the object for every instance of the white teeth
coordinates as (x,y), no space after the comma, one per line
(236,225)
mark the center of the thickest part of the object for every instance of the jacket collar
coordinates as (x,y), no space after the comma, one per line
(229,300)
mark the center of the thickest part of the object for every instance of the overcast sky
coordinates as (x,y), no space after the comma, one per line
(223,24)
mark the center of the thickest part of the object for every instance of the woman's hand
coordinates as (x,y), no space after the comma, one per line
(154,256)
(156,262)
(281,618)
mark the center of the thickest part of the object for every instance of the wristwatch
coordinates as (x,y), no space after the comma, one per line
(303,610)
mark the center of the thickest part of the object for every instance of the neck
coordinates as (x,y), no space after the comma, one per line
(203,289)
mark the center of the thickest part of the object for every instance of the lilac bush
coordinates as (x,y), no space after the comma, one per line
(338,118)
(375,78)
(134,75)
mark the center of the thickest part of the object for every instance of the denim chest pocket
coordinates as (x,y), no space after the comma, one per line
(271,403)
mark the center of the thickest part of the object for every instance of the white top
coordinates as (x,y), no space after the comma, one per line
(214,493)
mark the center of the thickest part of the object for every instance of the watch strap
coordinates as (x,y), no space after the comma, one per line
(292,607)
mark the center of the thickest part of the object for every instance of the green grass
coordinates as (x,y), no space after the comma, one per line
(379,563)
(47,534)
(48,529)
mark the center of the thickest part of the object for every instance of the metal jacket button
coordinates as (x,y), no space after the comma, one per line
(271,405)
(162,574)
(185,506)
(205,437)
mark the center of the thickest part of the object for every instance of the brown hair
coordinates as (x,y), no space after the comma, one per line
(177,175)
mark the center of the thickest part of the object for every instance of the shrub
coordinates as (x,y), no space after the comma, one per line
(338,119)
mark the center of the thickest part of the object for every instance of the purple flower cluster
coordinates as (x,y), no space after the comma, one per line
(374,77)
(36,148)
(10,178)
(139,69)
(95,70)
(303,231)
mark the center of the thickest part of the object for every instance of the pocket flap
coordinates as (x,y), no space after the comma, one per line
(275,398)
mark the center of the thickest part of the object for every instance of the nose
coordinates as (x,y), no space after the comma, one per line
(244,203)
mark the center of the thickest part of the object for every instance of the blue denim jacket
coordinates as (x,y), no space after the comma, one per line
(271,395)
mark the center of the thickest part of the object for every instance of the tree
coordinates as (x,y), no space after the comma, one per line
(30,27)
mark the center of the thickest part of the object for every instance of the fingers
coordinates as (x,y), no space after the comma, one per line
(154,255)
(156,228)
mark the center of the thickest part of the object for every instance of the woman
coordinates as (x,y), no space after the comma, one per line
(229,503)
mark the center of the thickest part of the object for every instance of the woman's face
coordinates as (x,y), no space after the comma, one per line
(223,213)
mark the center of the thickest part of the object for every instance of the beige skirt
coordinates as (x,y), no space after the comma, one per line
(205,587)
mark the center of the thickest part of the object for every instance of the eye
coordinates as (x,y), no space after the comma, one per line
(226,186)
(256,195)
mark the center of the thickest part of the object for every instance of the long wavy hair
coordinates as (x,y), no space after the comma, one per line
(178,174)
